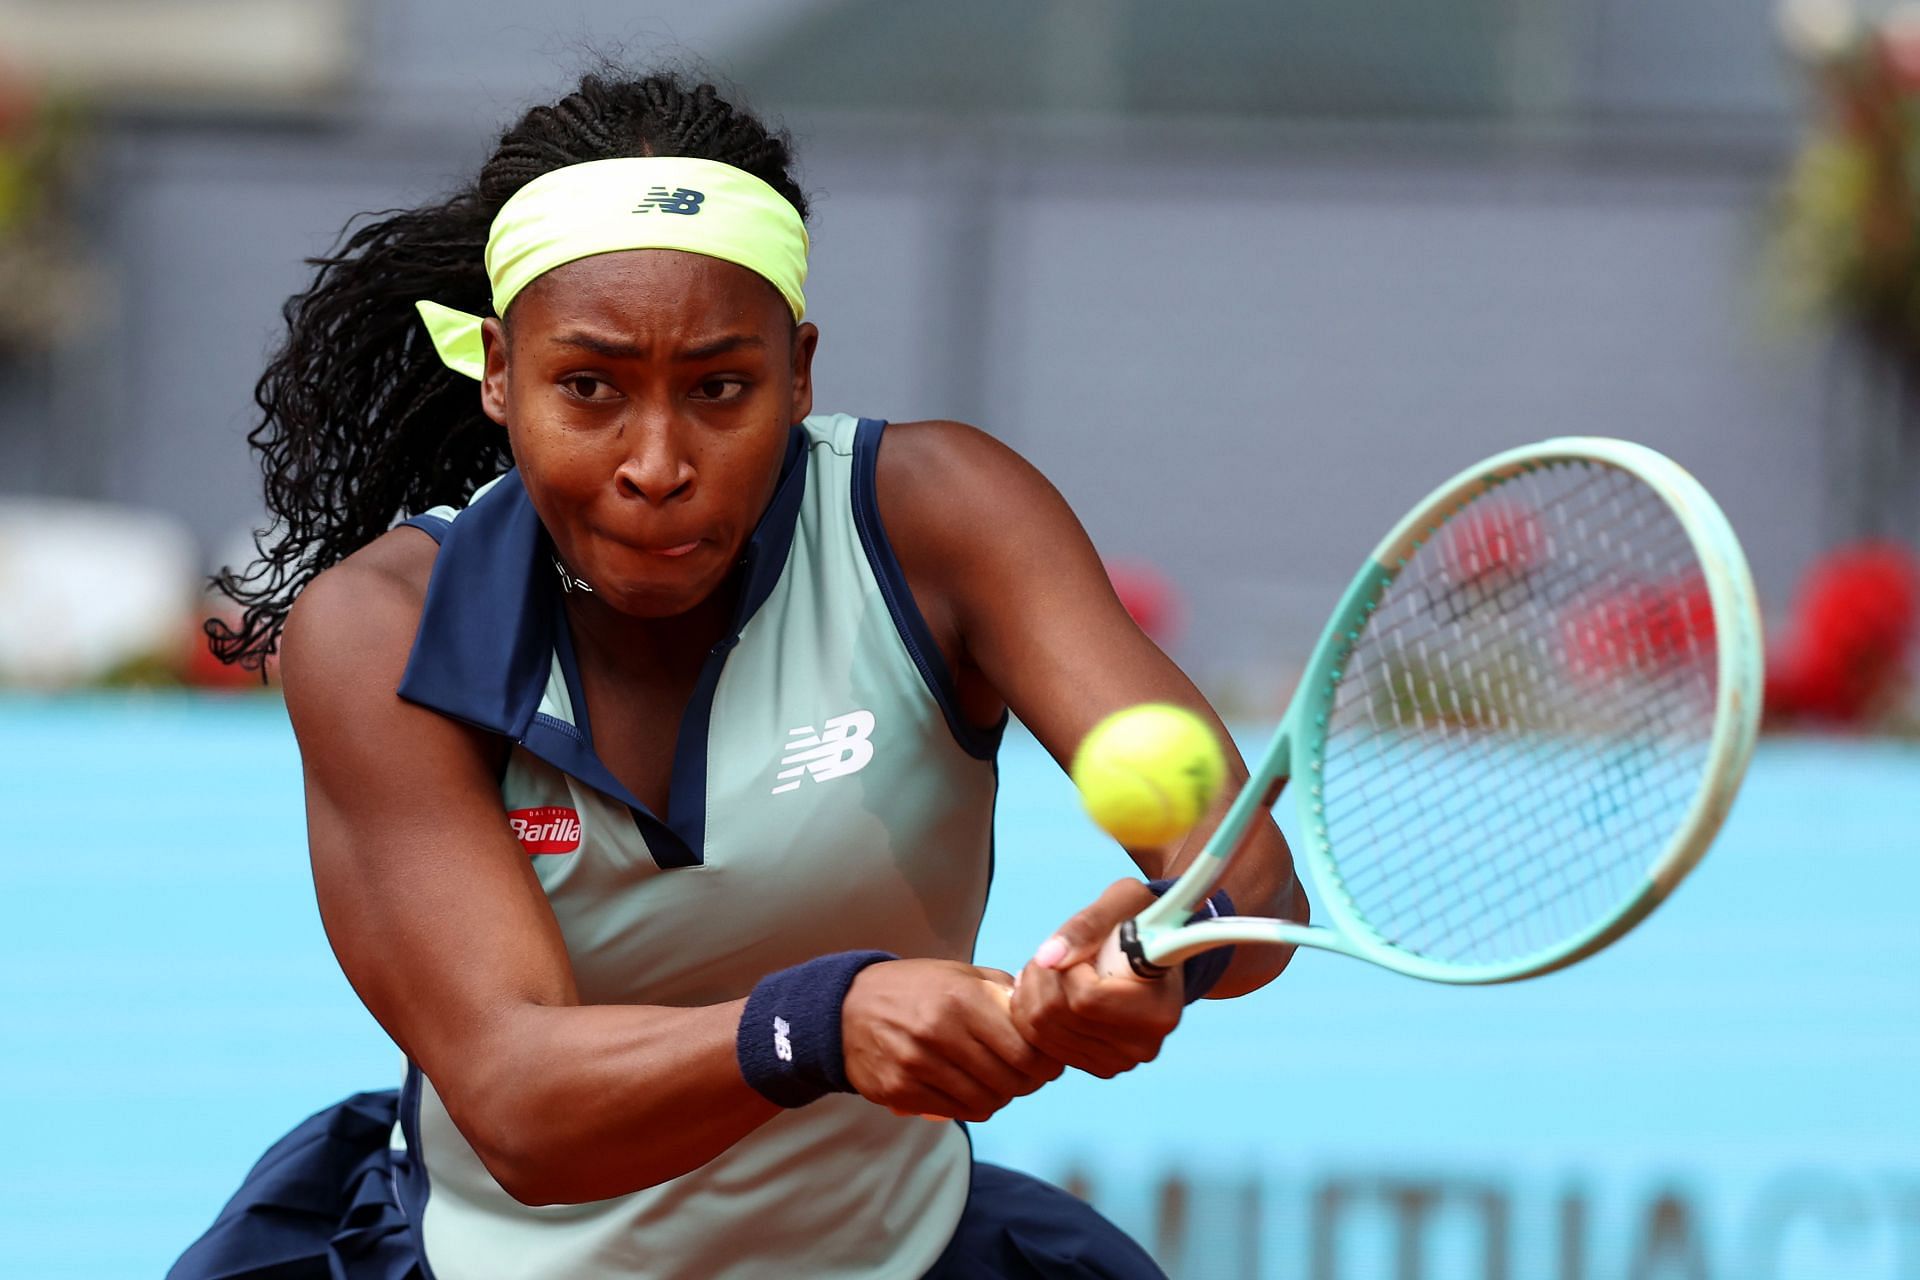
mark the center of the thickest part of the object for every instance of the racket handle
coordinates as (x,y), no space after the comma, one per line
(1122,953)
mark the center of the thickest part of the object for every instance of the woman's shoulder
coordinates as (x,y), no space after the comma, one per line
(345,649)
(946,483)
(935,440)
(361,613)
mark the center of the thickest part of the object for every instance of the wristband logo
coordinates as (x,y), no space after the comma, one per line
(550,828)
(782,1047)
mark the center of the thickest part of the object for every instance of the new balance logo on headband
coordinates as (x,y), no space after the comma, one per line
(834,750)
(678,200)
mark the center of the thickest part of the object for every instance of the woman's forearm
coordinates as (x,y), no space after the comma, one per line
(576,1103)
(1261,882)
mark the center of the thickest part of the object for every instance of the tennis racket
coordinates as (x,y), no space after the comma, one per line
(1520,729)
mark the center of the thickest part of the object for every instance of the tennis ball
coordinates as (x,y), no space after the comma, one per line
(1148,773)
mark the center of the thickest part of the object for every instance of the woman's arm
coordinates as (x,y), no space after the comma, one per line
(1023,590)
(443,930)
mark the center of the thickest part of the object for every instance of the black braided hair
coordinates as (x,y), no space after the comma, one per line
(361,421)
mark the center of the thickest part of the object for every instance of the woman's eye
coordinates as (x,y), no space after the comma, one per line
(585,388)
(721,389)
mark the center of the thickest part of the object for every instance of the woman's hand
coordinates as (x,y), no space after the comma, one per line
(1068,1011)
(933,1038)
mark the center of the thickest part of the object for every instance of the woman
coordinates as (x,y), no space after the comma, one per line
(650,786)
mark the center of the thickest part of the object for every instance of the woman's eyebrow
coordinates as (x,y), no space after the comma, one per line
(719,347)
(611,348)
(614,349)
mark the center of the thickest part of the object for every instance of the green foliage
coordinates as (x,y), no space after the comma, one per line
(1847,221)
(46,287)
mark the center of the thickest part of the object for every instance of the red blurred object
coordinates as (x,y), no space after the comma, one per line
(1846,652)
(1900,47)
(1643,627)
(1150,598)
(19,102)
(1494,539)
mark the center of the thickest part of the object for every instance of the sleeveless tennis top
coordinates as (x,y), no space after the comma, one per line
(826,795)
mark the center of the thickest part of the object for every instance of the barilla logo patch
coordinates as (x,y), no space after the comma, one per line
(548,829)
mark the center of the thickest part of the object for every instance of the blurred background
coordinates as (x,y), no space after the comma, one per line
(1245,280)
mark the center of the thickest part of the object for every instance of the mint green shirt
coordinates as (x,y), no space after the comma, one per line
(826,796)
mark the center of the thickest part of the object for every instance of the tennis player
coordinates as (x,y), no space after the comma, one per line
(650,765)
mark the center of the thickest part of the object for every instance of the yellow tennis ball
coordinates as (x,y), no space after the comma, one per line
(1148,773)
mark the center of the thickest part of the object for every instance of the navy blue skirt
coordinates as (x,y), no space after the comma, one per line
(321,1205)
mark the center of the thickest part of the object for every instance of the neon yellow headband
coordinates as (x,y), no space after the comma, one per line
(644,202)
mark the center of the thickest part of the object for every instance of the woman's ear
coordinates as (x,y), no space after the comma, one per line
(806,340)
(493,383)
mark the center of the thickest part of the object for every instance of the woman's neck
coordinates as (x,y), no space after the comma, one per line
(623,649)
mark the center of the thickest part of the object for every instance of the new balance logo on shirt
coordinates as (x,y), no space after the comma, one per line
(839,747)
(782,1046)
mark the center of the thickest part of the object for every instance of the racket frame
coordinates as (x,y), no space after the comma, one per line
(1160,936)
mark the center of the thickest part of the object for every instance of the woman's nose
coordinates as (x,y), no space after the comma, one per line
(655,469)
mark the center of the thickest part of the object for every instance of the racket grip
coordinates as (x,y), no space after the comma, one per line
(1122,953)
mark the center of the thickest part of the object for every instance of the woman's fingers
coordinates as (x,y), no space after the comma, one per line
(935,1036)
(1079,940)
(1095,1057)
(1016,1063)
(1102,1026)
(1046,1022)
(916,1098)
(998,1063)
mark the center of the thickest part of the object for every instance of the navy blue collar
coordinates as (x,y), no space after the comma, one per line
(493,621)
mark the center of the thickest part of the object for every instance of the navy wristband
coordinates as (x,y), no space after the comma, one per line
(788,1043)
(1201,972)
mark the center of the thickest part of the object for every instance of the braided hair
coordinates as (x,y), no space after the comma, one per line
(361,420)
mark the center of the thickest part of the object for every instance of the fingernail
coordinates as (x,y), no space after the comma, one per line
(1051,952)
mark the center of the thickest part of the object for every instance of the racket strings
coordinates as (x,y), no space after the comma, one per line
(1551,755)
(1497,910)
(1578,514)
(1486,789)
(1521,725)
(1523,898)
(1446,813)
(1640,816)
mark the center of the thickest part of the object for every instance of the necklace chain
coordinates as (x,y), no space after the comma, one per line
(568,582)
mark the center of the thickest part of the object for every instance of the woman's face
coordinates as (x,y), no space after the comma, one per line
(648,396)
